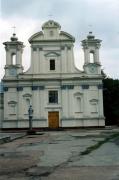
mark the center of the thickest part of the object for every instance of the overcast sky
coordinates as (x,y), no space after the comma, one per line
(76,17)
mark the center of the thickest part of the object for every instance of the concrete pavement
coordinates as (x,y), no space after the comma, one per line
(63,155)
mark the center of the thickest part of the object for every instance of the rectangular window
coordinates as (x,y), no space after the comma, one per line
(52,64)
(53,96)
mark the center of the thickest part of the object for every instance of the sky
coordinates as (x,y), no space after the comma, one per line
(76,17)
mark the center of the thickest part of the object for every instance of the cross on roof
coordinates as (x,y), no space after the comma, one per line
(14,28)
(90,27)
(50,15)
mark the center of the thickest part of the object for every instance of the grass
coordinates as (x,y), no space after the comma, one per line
(98,144)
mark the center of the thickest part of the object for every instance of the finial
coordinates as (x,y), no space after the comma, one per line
(14,38)
(14,29)
(90,32)
(90,27)
(50,16)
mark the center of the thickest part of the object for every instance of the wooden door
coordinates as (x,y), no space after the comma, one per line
(53,120)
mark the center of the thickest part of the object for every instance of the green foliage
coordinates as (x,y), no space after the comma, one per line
(100,143)
(111,100)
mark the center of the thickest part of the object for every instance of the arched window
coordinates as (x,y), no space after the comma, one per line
(94,105)
(91,56)
(78,103)
(12,107)
(13,59)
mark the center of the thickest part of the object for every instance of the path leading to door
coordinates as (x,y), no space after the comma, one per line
(66,155)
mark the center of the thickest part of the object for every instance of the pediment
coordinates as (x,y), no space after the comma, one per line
(93,100)
(37,37)
(78,94)
(12,102)
(27,95)
(52,54)
(66,36)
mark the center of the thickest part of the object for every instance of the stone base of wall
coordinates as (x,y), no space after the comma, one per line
(64,123)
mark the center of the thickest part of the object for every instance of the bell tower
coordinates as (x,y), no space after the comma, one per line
(91,54)
(14,49)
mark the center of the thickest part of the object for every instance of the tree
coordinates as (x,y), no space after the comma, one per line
(111,101)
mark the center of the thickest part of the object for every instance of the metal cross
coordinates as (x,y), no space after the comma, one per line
(90,27)
(50,15)
(14,29)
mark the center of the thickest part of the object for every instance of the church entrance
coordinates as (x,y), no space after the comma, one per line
(53,120)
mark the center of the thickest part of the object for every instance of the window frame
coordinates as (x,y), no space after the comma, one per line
(53,97)
(52,65)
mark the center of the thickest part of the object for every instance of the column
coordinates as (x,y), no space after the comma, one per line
(72,60)
(63,59)
(86,56)
(8,57)
(70,103)
(36,104)
(19,57)
(69,60)
(20,105)
(65,103)
(41,106)
(35,61)
(86,103)
(100,96)
(96,56)
(42,62)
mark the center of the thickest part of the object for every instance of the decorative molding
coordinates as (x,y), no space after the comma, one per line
(12,102)
(64,87)
(20,88)
(27,95)
(85,86)
(52,54)
(34,88)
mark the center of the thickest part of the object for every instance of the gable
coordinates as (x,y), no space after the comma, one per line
(36,37)
(39,36)
(66,36)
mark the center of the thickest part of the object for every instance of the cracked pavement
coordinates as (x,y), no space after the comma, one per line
(56,155)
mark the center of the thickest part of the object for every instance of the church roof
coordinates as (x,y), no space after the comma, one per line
(59,35)
(51,24)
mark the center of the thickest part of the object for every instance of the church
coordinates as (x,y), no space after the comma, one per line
(60,94)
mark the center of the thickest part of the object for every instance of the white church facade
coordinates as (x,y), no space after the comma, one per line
(60,94)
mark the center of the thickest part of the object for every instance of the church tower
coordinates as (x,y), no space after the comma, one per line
(91,54)
(14,49)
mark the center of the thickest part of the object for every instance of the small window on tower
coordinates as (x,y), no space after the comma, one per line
(52,64)
(14,59)
(91,57)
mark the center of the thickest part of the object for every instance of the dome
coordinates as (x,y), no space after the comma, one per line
(14,38)
(51,24)
(90,35)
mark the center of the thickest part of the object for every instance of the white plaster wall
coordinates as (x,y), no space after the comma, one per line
(1,110)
